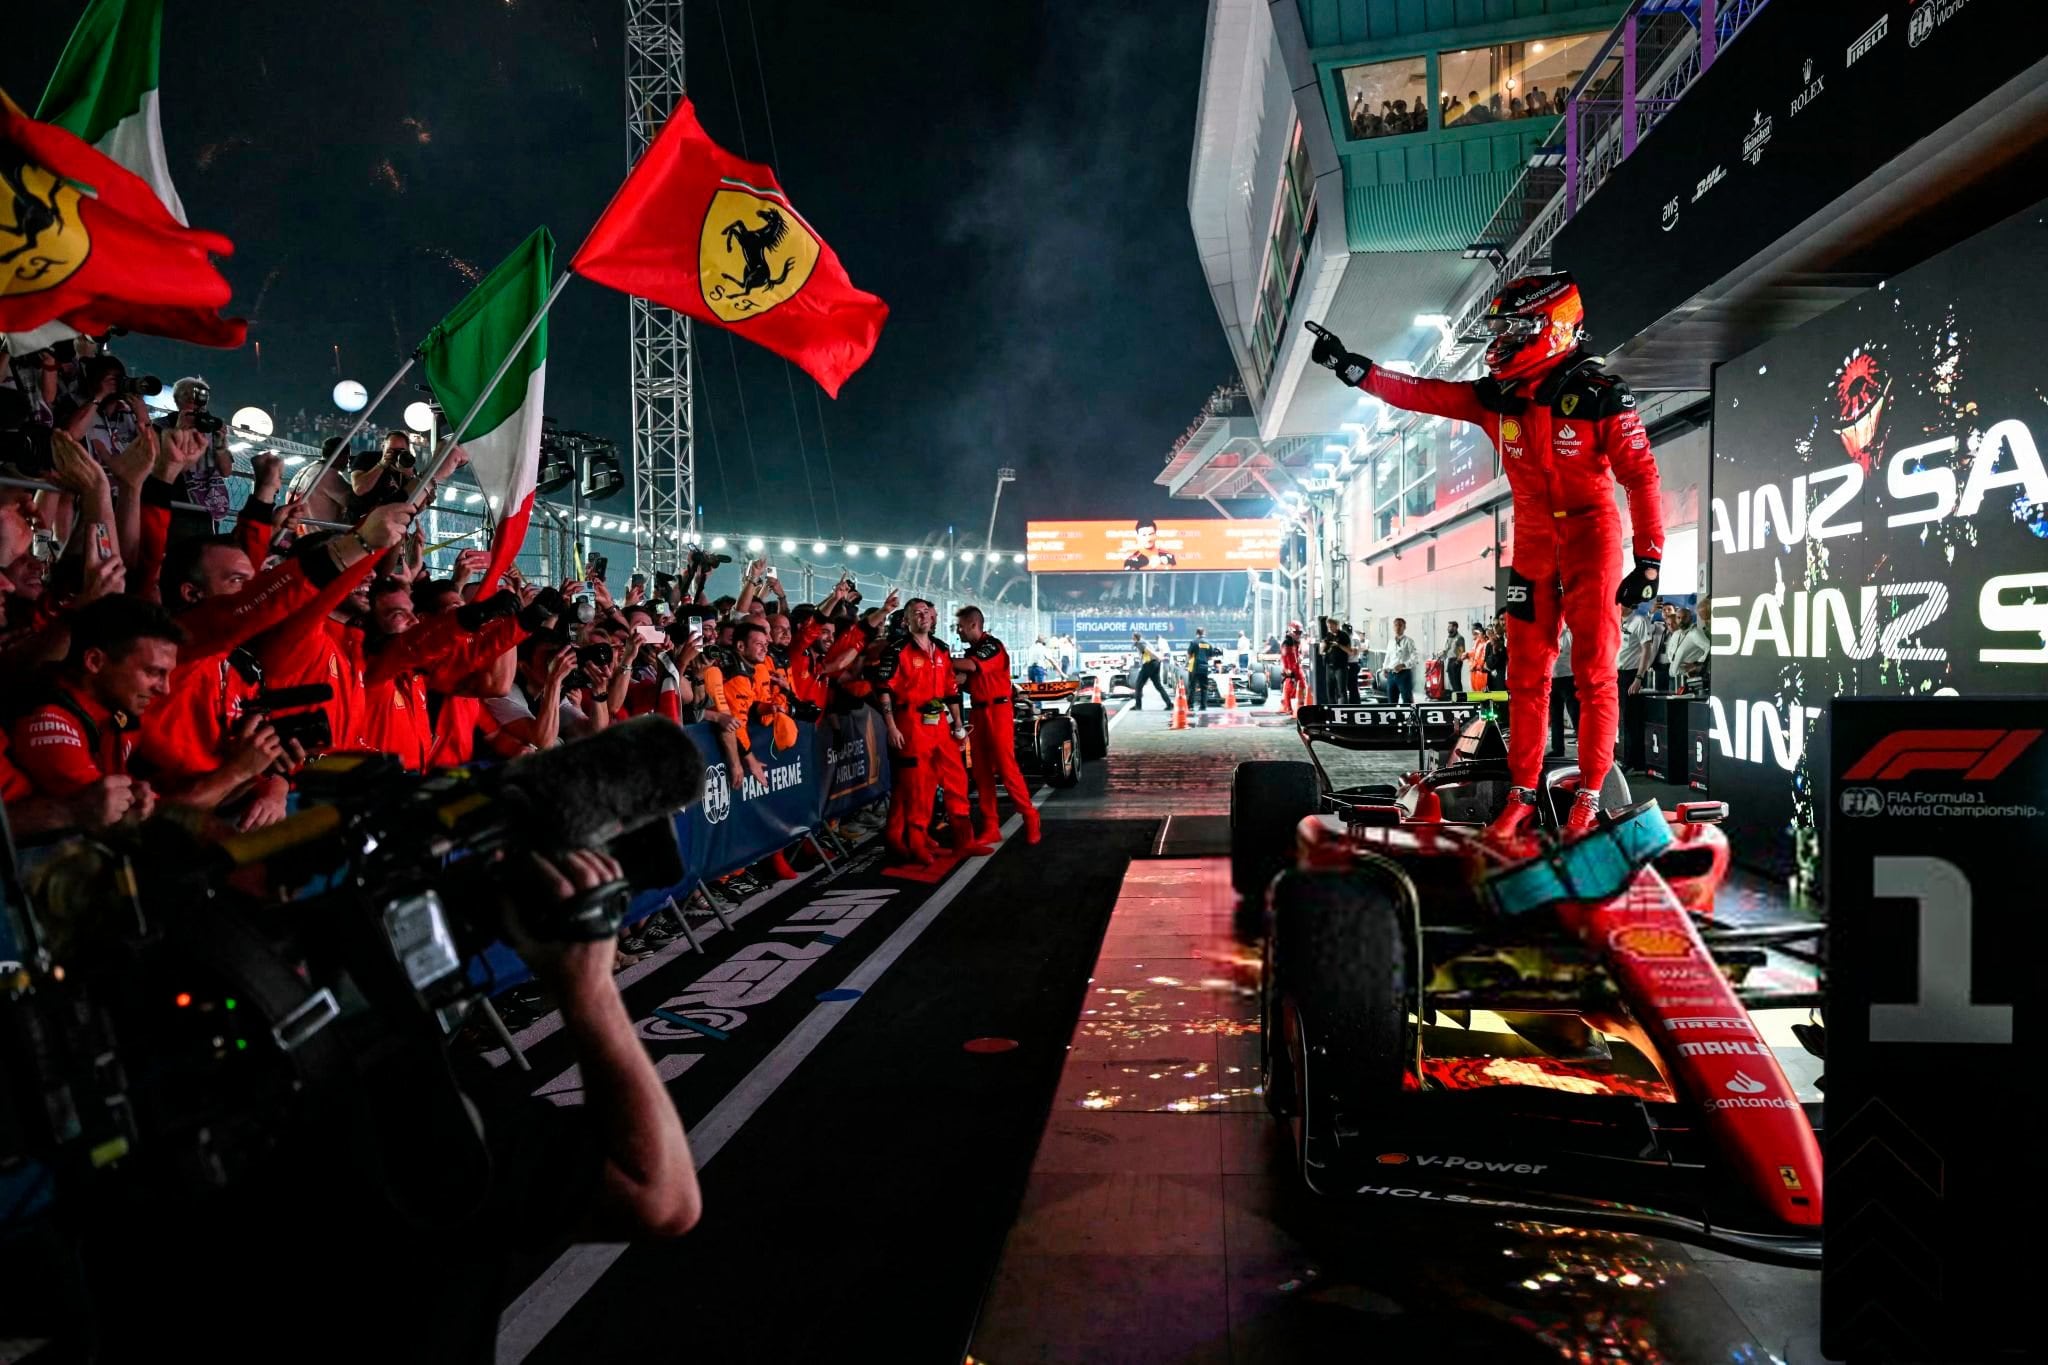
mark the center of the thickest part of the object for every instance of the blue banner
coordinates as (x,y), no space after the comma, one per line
(1095,633)
(835,767)
(737,825)
(854,756)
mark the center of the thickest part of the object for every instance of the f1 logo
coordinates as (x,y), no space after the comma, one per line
(1979,755)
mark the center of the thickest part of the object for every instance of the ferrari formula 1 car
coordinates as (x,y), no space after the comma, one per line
(1558,1030)
(1057,734)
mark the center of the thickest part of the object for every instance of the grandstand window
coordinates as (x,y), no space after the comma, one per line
(1385,99)
(1294,224)
(1512,80)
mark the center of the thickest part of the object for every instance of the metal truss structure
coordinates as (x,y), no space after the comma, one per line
(664,448)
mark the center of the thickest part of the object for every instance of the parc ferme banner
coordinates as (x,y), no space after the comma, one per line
(836,766)
(1879,524)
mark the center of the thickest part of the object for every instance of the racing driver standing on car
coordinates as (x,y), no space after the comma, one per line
(1566,431)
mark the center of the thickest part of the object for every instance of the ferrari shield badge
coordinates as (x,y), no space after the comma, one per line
(46,242)
(1569,403)
(753,253)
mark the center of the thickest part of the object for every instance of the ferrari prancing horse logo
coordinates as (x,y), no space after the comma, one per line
(753,252)
(46,241)
(1569,403)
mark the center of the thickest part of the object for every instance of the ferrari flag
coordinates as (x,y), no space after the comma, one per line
(461,355)
(90,245)
(696,229)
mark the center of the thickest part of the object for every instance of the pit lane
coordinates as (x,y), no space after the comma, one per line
(1165,1221)
(1035,1134)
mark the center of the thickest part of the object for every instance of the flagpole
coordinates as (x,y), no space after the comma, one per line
(462,429)
(327,465)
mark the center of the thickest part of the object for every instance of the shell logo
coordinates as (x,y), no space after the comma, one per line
(1510,430)
(1647,941)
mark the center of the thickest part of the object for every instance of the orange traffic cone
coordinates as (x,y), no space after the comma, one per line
(1180,708)
(1229,692)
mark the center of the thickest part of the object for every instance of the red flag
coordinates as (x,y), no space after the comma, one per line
(696,229)
(91,246)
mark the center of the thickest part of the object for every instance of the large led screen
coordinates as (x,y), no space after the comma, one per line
(1142,545)
(1879,522)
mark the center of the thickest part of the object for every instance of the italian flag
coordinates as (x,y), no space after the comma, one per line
(104,93)
(502,442)
(104,90)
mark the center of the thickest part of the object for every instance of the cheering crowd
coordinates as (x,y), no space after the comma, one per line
(162,648)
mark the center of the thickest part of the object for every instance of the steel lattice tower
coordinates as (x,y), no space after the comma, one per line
(664,451)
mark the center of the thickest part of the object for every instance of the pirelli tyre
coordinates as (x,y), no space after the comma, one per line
(1267,800)
(1091,728)
(1275,680)
(1254,684)
(1059,751)
(1336,1002)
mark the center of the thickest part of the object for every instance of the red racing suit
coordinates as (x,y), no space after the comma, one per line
(1294,687)
(992,731)
(920,682)
(1564,441)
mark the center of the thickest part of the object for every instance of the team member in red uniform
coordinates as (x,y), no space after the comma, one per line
(1567,432)
(916,682)
(1294,687)
(123,652)
(985,676)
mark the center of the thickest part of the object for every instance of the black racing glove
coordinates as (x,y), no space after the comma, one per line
(1640,585)
(1329,352)
(546,605)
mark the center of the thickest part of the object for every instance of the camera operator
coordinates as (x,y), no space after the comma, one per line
(356,1278)
(536,713)
(390,473)
(205,482)
(109,411)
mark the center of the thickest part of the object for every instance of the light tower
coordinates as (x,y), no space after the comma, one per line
(664,451)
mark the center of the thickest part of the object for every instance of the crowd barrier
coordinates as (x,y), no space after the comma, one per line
(837,765)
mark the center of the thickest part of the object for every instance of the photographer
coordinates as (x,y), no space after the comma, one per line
(109,412)
(389,473)
(205,482)
(536,713)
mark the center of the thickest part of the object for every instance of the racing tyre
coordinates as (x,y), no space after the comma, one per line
(1336,1001)
(1267,800)
(1274,681)
(1091,728)
(1059,755)
(1255,688)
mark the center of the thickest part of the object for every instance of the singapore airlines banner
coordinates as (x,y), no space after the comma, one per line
(1879,521)
(1204,545)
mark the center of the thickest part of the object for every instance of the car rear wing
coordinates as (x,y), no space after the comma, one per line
(1397,725)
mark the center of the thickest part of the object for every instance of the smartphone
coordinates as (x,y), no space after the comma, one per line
(663,580)
(595,570)
(638,580)
(102,543)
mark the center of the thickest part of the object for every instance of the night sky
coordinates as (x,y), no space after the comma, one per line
(1010,177)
